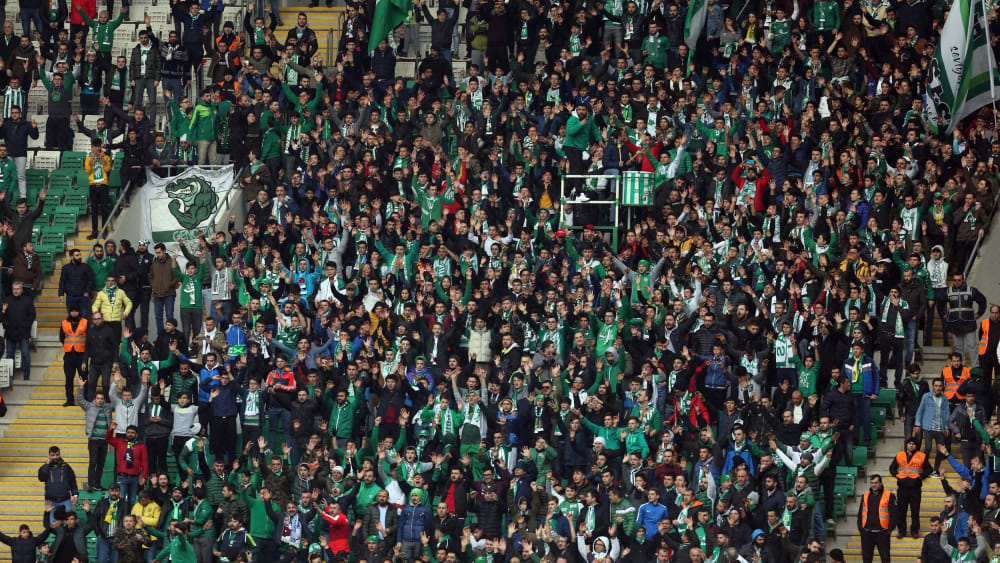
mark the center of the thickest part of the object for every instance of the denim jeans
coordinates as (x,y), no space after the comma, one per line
(129,485)
(106,553)
(911,340)
(24,345)
(29,15)
(82,303)
(162,306)
(863,409)
(276,416)
(66,504)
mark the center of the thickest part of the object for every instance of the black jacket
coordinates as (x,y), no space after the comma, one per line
(23,550)
(15,136)
(60,481)
(76,279)
(102,346)
(145,260)
(127,266)
(96,517)
(18,314)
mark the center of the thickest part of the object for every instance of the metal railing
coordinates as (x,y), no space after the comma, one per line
(615,205)
(979,240)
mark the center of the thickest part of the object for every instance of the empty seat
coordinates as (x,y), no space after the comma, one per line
(48,160)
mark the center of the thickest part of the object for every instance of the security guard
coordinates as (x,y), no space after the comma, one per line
(910,468)
(875,520)
(954,376)
(989,338)
(73,335)
(961,320)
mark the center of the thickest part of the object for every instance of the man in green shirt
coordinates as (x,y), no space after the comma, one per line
(204,126)
(580,131)
(191,298)
(655,47)
(103,32)
(8,175)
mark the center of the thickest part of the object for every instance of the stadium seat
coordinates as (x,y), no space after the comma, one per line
(49,160)
(73,160)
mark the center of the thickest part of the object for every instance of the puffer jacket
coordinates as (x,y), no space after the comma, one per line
(412,521)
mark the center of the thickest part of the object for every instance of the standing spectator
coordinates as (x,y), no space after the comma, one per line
(102,349)
(145,67)
(15,132)
(127,271)
(21,219)
(204,127)
(131,460)
(141,303)
(27,268)
(163,285)
(414,520)
(104,32)
(98,415)
(76,283)
(18,315)
(193,23)
(24,544)
(77,25)
(31,12)
(112,303)
(98,167)
(58,133)
(60,482)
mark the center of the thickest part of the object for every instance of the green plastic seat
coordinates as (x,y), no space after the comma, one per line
(886,398)
(65,220)
(860,457)
(62,175)
(76,201)
(72,160)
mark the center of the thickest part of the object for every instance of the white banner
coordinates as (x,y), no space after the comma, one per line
(192,202)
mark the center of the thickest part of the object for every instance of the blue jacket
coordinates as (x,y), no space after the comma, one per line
(868,375)
(649,517)
(744,452)
(925,412)
(412,521)
(984,478)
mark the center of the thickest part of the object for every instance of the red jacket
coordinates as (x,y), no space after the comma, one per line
(761,185)
(89,6)
(140,463)
(340,531)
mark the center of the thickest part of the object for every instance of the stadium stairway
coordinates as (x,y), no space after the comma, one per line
(37,419)
(880,455)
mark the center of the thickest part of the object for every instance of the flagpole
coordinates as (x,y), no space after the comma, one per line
(989,50)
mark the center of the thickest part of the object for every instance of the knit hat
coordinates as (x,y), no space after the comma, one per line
(805,437)
(372,538)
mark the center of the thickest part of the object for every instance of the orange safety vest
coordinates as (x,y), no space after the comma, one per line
(883,509)
(985,338)
(910,469)
(951,384)
(76,340)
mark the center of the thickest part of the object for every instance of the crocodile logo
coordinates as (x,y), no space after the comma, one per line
(192,200)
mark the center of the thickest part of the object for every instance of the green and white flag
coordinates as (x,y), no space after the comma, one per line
(962,76)
(389,14)
(195,201)
(697,13)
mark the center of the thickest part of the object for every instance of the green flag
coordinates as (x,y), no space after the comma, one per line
(695,22)
(962,77)
(389,14)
